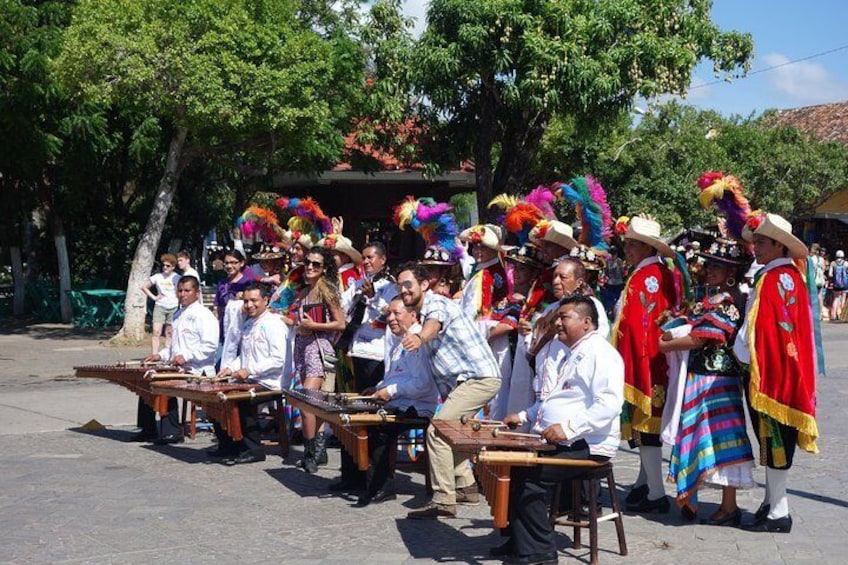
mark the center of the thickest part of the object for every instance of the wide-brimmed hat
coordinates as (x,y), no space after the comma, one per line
(527,254)
(487,235)
(726,252)
(593,259)
(268,253)
(777,228)
(647,231)
(435,255)
(553,231)
(338,242)
(304,239)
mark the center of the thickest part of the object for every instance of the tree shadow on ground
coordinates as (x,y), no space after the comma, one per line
(55,331)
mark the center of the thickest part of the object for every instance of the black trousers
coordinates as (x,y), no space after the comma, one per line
(367,372)
(788,436)
(531,491)
(251,438)
(169,425)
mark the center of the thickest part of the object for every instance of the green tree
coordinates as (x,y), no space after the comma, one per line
(221,79)
(498,71)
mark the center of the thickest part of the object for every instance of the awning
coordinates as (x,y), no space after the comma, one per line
(834,208)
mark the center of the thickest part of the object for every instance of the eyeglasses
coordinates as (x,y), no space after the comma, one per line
(408,285)
(314,264)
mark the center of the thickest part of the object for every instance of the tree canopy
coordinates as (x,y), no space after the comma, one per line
(497,71)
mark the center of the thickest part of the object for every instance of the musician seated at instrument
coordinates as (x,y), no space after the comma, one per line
(580,416)
(194,343)
(408,388)
(265,358)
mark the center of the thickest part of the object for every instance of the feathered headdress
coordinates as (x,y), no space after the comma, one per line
(543,198)
(590,202)
(433,220)
(725,192)
(306,217)
(260,223)
(520,216)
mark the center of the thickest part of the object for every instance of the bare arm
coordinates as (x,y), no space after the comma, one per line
(685,343)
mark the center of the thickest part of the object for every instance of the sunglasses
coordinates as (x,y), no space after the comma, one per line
(408,285)
(314,264)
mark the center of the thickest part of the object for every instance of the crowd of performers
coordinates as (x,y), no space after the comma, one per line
(507,319)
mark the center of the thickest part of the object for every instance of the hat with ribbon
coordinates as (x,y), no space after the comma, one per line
(726,252)
(555,232)
(487,235)
(268,253)
(340,243)
(774,227)
(644,229)
(527,254)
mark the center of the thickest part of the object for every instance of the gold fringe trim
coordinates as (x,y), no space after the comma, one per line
(808,431)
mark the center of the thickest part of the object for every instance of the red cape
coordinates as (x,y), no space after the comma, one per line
(649,292)
(782,344)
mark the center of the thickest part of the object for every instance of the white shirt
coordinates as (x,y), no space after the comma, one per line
(195,337)
(369,341)
(407,379)
(167,287)
(587,398)
(266,351)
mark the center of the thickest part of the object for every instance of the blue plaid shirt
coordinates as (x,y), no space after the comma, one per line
(459,351)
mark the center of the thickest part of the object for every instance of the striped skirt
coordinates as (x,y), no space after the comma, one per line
(712,445)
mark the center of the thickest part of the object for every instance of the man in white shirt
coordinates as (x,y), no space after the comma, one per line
(580,416)
(265,358)
(408,388)
(364,300)
(193,346)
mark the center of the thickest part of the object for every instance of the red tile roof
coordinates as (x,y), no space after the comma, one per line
(826,122)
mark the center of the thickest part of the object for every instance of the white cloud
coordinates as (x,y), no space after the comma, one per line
(804,82)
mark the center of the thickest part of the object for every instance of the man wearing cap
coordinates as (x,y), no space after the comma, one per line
(486,288)
(777,341)
(649,291)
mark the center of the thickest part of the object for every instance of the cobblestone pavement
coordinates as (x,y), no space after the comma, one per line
(71,496)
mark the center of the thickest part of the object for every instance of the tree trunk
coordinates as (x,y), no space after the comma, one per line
(64,265)
(135,305)
(19,279)
(483,170)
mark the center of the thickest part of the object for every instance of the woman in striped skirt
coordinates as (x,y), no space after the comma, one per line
(711,444)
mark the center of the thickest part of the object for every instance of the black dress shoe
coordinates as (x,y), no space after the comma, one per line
(762,512)
(169,439)
(376,498)
(219,453)
(732,519)
(143,437)
(636,495)
(246,457)
(777,525)
(535,559)
(646,506)
(345,486)
(504,550)
(689,514)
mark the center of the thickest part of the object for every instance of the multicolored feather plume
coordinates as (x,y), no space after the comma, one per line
(520,216)
(433,220)
(726,194)
(543,198)
(259,223)
(306,217)
(595,220)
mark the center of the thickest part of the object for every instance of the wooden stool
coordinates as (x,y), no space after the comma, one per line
(593,476)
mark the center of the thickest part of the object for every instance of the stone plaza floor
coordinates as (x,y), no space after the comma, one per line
(71,496)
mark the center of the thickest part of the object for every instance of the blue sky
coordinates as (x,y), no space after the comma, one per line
(783,31)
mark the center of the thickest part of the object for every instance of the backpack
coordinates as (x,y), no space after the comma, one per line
(840,276)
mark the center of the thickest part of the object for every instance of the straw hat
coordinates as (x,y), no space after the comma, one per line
(647,231)
(487,235)
(555,232)
(777,228)
(338,242)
